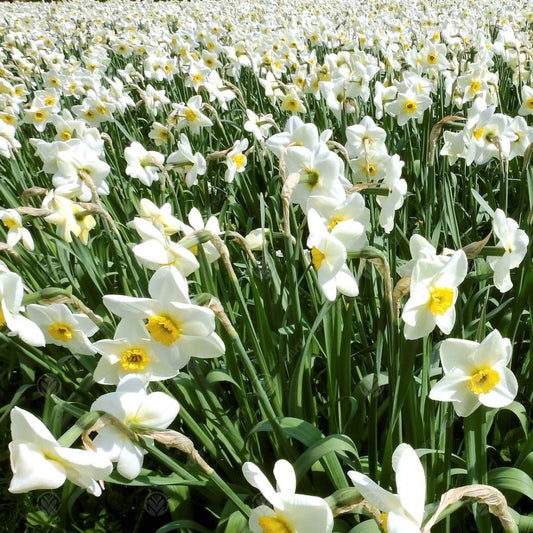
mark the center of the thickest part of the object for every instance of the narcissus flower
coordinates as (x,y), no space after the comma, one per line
(39,462)
(402,512)
(291,513)
(514,242)
(433,294)
(476,374)
(131,404)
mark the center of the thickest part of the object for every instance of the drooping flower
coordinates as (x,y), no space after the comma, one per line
(476,374)
(402,512)
(39,462)
(291,513)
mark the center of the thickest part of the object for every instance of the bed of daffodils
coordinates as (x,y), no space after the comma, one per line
(266,266)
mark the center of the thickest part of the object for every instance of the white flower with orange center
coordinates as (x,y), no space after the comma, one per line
(63,328)
(433,293)
(170,319)
(476,374)
(290,512)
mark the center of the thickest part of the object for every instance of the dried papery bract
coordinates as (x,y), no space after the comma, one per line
(485,494)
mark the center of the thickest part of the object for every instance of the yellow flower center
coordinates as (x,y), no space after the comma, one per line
(291,104)
(475,86)
(8,119)
(529,103)
(371,170)
(197,78)
(60,331)
(274,524)
(238,159)
(49,100)
(134,359)
(2,318)
(440,300)
(163,329)
(9,223)
(101,109)
(483,380)
(39,115)
(65,135)
(334,221)
(432,58)
(317,257)
(190,115)
(409,106)
(310,177)
(478,133)
(89,114)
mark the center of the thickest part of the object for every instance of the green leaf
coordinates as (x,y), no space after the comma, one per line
(509,478)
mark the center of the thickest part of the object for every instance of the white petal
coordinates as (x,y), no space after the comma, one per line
(410,481)
(257,479)
(130,460)
(503,393)
(168,284)
(382,499)
(28,428)
(285,477)
(158,410)
(454,353)
(307,514)
(398,523)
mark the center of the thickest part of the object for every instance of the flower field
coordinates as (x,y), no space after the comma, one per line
(266,267)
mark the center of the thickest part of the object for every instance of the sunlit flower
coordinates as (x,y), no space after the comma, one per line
(476,374)
(402,512)
(514,242)
(131,404)
(15,230)
(143,164)
(39,462)
(433,293)
(290,512)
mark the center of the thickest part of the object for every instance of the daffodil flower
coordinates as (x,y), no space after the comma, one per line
(514,242)
(131,404)
(171,320)
(63,328)
(476,374)
(402,512)
(433,294)
(290,512)
(39,462)
(11,293)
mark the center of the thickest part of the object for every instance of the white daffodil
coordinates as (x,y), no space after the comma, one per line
(132,351)
(131,404)
(63,328)
(236,160)
(157,250)
(15,230)
(433,293)
(402,512)
(328,256)
(143,164)
(476,374)
(11,294)
(514,241)
(291,513)
(192,165)
(196,224)
(39,462)
(171,320)
(160,217)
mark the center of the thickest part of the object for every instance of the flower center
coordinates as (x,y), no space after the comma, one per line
(432,59)
(9,222)
(134,359)
(475,86)
(60,331)
(65,135)
(478,133)
(274,524)
(39,115)
(238,159)
(409,106)
(529,103)
(2,318)
(163,329)
(440,300)
(190,115)
(483,380)
(310,177)
(317,257)
(334,221)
